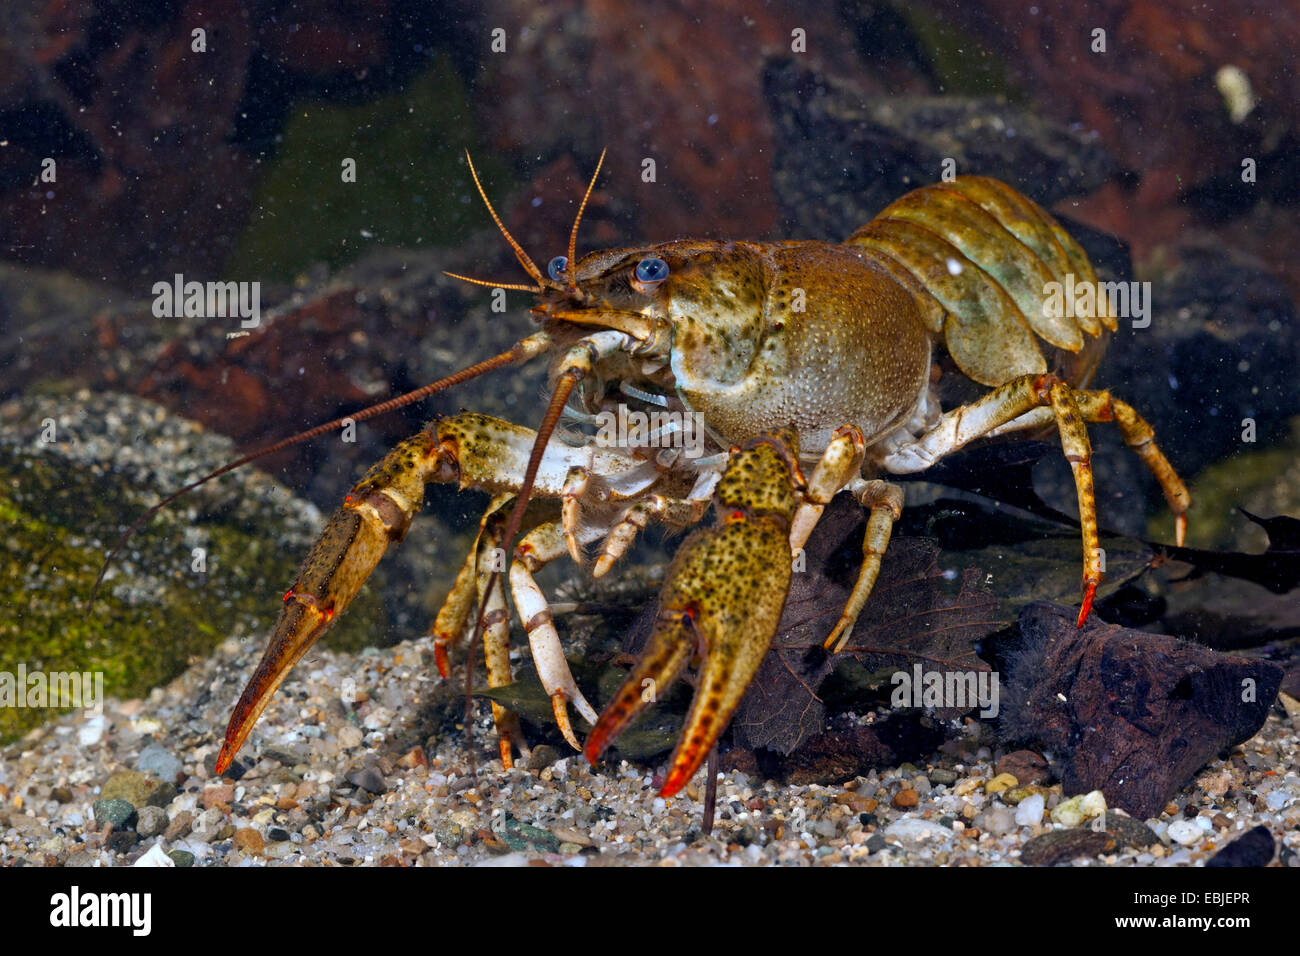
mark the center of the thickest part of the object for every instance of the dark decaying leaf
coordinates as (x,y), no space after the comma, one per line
(955,573)
(1277,569)
(1003,472)
(921,611)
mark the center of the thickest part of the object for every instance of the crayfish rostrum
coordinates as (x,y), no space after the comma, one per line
(807,368)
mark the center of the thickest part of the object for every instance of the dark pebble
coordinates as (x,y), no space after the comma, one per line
(542,757)
(1025,765)
(1061,846)
(276,835)
(868,819)
(745,835)
(119,841)
(182,858)
(1129,832)
(1253,848)
(236,770)
(875,842)
(368,779)
(61,795)
(113,812)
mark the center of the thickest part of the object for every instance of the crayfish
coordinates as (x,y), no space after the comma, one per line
(811,368)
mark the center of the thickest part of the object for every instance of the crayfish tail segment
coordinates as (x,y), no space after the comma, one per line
(375,514)
(720,605)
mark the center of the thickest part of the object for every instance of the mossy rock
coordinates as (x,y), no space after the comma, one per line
(74,471)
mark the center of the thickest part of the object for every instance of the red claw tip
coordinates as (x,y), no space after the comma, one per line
(672,785)
(592,750)
(1089,592)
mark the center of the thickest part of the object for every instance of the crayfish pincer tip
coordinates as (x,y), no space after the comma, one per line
(1090,592)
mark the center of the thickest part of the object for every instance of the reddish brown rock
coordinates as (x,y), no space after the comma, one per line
(1026,766)
(906,799)
(1132,714)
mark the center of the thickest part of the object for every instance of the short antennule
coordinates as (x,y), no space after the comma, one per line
(529,266)
(573,234)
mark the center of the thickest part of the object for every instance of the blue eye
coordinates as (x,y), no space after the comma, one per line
(557,267)
(651,271)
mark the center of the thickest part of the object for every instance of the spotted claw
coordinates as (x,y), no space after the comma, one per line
(720,606)
(376,514)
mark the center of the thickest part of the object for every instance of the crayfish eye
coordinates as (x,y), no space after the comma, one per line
(651,271)
(557,267)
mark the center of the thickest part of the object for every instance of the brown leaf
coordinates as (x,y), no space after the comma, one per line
(919,612)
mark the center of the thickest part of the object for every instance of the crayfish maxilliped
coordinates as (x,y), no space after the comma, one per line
(811,367)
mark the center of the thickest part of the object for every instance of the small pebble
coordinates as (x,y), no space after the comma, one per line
(156,759)
(155,857)
(1001,782)
(911,830)
(249,840)
(1185,832)
(179,826)
(151,821)
(112,812)
(998,821)
(906,799)
(1029,812)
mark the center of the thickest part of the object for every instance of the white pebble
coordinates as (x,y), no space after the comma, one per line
(1029,812)
(915,830)
(155,857)
(1185,832)
(92,730)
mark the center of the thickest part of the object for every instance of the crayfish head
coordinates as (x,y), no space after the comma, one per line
(704,298)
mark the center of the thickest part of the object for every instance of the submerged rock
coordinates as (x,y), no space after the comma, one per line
(75,470)
(1129,713)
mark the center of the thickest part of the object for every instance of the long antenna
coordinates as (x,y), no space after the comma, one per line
(522,350)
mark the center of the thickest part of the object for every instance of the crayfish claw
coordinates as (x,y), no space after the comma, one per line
(720,606)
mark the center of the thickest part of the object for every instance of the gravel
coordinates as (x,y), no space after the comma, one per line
(323,784)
